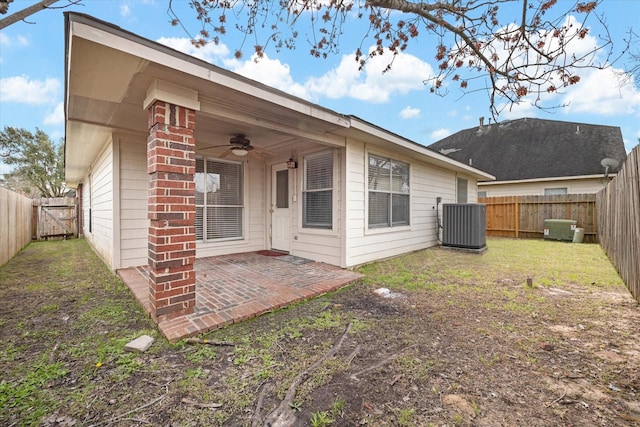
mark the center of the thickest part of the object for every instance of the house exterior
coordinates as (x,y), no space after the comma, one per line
(538,157)
(176,159)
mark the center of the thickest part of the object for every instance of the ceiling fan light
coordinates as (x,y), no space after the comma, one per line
(239,151)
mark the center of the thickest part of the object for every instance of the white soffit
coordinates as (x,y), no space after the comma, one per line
(547,179)
(77,155)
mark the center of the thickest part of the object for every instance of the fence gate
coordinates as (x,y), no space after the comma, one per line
(56,217)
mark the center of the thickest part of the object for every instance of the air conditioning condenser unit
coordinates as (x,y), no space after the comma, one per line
(464,225)
(559,229)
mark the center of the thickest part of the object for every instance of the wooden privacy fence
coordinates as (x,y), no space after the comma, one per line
(55,217)
(619,219)
(523,216)
(15,223)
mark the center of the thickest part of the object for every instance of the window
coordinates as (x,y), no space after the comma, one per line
(317,194)
(482,194)
(555,191)
(219,199)
(462,185)
(388,182)
(282,189)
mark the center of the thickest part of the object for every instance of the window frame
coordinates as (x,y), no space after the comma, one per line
(555,191)
(389,226)
(205,204)
(459,182)
(304,225)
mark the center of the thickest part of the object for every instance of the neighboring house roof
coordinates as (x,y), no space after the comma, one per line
(536,148)
(114,68)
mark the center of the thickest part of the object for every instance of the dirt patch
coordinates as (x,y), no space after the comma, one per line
(465,342)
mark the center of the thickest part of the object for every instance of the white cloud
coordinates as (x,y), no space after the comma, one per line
(210,52)
(410,113)
(33,92)
(270,72)
(407,74)
(343,81)
(125,10)
(524,108)
(597,92)
(576,48)
(600,92)
(56,117)
(438,134)
(5,40)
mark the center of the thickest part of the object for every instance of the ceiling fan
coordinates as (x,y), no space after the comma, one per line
(239,145)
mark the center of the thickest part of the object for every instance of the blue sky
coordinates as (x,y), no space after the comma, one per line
(32,75)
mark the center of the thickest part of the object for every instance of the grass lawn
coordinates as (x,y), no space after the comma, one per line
(464,341)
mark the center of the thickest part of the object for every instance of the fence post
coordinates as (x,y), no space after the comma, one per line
(518,210)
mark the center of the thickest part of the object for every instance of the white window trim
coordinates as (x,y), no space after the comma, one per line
(457,194)
(334,197)
(230,241)
(567,191)
(384,230)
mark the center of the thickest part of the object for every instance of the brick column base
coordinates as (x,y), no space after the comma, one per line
(172,238)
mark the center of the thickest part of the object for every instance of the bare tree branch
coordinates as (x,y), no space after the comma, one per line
(474,41)
(25,13)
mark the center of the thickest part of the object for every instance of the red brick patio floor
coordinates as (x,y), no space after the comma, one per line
(234,288)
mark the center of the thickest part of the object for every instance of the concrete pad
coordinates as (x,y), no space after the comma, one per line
(140,344)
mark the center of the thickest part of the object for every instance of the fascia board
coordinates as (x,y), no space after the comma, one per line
(547,179)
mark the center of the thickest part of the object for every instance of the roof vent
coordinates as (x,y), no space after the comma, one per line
(481,122)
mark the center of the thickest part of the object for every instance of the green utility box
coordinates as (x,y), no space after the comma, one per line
(559,229)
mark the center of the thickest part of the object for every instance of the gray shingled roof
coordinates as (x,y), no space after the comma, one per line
(535,148)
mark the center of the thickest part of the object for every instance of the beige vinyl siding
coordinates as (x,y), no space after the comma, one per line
(101,204)
(426,183)
(134,185)
(254,230)
(573,186)
(318,244)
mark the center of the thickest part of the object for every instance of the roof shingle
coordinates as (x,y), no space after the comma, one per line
(535,148)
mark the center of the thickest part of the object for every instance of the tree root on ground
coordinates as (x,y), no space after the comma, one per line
(284,415)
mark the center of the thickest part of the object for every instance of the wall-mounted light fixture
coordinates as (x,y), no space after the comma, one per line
(292,164)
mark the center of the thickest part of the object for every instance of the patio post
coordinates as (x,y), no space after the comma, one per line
(171,166)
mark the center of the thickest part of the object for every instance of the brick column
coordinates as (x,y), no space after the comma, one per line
(171,164)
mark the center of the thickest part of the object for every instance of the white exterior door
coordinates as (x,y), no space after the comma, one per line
(280,208)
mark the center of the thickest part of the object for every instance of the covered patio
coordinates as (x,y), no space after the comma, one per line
(233,288)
